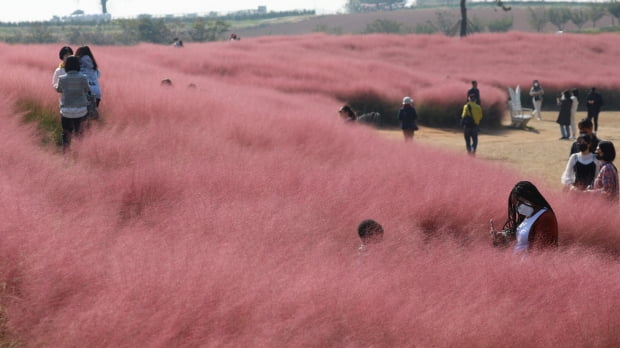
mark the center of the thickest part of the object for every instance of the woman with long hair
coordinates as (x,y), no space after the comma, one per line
(606,182)
(531,220)
(89,67)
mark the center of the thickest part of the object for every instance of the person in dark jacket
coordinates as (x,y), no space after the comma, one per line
(474,91)
(594,101)
(407,117)
(565,103)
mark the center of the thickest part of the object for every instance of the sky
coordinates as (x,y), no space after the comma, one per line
(33,10)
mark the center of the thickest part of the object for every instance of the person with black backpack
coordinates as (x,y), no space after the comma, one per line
(470,120)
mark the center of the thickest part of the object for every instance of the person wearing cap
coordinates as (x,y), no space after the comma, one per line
(471,117)
(407,117)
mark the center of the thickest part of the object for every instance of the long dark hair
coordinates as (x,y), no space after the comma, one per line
(85,51)
(528,191)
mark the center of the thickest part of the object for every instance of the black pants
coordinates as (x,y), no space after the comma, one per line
(70,127)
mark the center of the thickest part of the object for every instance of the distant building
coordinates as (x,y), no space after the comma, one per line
(81,18)
(262,9)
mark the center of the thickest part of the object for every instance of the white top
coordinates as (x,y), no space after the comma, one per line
(57,73)
(568,177)
(574,105)
(73,112)
(523,231)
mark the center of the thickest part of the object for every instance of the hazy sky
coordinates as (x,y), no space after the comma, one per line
(30,10)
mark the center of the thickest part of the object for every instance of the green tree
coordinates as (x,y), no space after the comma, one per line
(537,18)
(464,21)
(207,31)
(383,26)
(596,12)
(579,17)
(40,33)
(614,9)
(153,30)
(559,16)
(501,25)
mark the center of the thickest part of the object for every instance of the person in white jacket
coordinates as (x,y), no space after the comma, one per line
(573,113)
(65,52)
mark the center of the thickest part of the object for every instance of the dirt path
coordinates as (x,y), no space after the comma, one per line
(536,152)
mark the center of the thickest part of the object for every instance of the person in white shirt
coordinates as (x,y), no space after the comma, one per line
(65,52)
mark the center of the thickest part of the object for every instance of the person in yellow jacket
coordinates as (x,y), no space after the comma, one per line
(470,120)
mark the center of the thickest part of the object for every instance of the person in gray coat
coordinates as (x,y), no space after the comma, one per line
(73,102)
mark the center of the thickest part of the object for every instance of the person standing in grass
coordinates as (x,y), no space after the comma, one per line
(531,221)
(585,128)
(89,67)
(537,92)
(73,103)
(474,91)
(564,101)
(470,120)
(573,112)
(65,52)
(408,117)
(606,182)
(594,101)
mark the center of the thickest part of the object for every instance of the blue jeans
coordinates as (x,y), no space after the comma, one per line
(565,130)
(471,138)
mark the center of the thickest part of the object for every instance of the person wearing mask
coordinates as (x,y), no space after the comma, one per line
(474,91)
(65,52)
(470,120)
(594,101)
(537,92)
(582,166)
(606,182)
(585,128)
(73,103)
(531,222)
(407,117)
(565,102)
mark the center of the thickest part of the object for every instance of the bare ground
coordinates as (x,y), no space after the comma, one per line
(536,152)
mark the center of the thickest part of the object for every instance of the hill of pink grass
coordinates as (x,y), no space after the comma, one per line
(226,215)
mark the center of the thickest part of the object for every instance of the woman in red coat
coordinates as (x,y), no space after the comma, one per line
(531,221)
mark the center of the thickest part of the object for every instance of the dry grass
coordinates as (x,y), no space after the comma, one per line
(533,152)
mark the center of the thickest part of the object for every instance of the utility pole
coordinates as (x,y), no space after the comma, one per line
(104,6)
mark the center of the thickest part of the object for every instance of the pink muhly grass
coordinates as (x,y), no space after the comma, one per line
(227,215)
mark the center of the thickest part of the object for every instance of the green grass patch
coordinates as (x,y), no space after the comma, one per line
(46,118)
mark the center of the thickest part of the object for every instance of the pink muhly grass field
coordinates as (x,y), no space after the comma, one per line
(227,214)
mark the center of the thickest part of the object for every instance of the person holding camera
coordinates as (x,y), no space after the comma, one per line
(531,222)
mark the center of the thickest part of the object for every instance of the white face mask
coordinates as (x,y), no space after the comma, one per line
(525,210)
